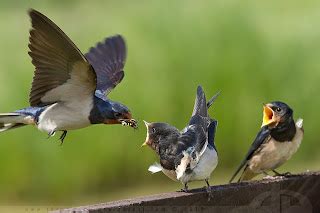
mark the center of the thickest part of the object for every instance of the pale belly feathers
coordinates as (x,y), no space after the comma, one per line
(274,153)
(65,116)
(205,166)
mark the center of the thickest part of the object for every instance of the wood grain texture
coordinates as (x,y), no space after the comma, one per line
(295,193)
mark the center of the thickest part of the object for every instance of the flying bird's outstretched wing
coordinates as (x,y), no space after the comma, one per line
(61,71)
(108,60)
(261,138)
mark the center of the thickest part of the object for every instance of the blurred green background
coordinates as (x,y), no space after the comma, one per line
(253,51)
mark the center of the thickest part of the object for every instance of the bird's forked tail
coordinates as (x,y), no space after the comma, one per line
(14,120)
(210,102)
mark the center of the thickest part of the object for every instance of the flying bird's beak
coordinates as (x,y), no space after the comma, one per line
(268,115)
(128,121)
(147,138)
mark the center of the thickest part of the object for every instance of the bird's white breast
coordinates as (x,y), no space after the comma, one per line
(205,166)
(274,153)
(73,114)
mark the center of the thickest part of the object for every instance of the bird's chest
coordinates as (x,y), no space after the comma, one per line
(170,174)
(62,116)
(274,153)
(204,167)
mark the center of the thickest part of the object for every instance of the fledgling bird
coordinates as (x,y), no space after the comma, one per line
(69,89)
(278,139)
(190,154)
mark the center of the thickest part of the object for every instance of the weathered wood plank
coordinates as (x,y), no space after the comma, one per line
(296,193)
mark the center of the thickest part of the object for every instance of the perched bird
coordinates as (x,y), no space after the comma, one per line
(69,89)
(190,154)
(278,139)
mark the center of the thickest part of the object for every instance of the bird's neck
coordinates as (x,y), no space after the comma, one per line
(284,131)
(99,111)
(165,141)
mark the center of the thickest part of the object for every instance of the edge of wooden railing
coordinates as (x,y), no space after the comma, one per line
(292,193)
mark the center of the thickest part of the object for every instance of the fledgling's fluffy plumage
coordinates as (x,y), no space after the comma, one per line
(278,139)
(69,89)
(190,154)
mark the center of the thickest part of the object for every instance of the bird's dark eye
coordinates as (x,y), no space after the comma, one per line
(153,130)
(117,114)
(278,109)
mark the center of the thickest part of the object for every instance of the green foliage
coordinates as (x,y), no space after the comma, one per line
(253,51)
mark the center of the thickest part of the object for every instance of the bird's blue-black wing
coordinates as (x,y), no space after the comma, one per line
(108,60)
(261,137)
(191,140)
(212,133)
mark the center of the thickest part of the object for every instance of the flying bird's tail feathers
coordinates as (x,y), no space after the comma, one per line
(210,102)
(13,120)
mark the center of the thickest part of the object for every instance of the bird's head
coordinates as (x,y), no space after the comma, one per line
(119,114)
(111,112)
(276,112)
(157,132)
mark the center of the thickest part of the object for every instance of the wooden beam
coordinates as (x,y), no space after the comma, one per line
(295,193)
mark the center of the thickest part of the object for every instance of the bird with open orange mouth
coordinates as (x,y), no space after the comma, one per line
(276,142)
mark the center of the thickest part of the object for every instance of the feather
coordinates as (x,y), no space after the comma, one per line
(154,168)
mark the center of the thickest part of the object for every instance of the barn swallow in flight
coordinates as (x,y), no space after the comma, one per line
(278,139)
(69,89)
(190,154)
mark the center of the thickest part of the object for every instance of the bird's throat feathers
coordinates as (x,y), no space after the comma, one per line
(284,131)
(101,110)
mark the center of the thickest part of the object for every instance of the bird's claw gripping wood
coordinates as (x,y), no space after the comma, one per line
(185,189)
(281,174)
(130,122)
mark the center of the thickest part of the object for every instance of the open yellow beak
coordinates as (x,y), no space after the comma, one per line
(144,144)
(268,115)
(147,138)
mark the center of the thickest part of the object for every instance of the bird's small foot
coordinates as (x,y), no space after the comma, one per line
(208,189)
(50,134)
(269,177)
(209,192)
(185,189)
(285,174)
(63,136)
(281,174)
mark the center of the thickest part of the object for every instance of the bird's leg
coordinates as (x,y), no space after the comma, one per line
(208,189)
(267,176)
(50,134)
(207,182)
(281,174)
(63,135)
(265,173)
(185,189)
